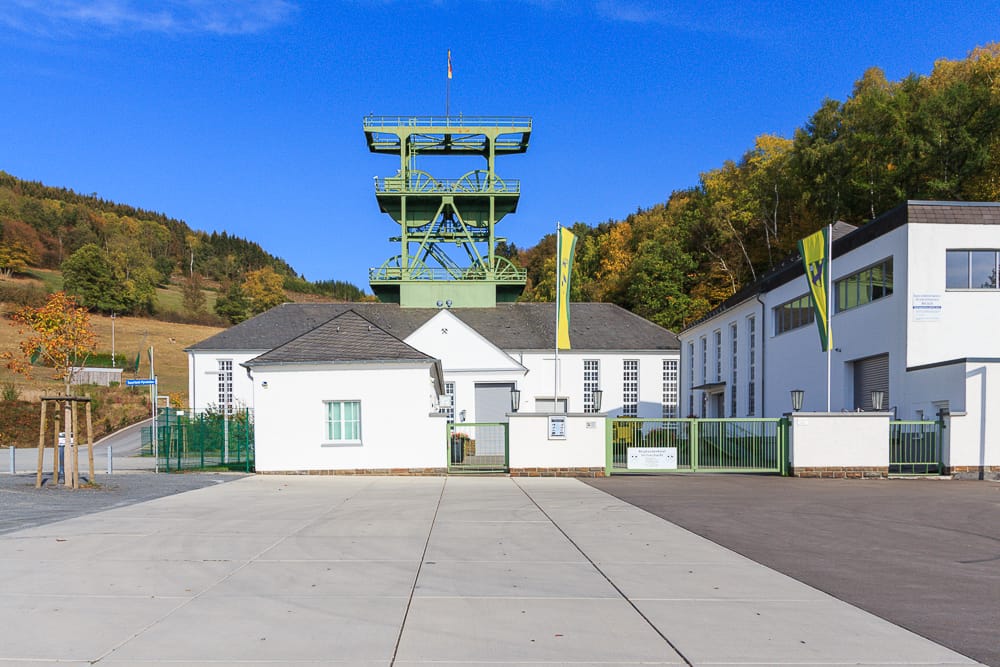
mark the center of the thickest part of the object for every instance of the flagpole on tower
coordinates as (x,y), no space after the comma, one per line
(447,93)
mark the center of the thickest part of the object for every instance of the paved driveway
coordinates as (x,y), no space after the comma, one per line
(413,571)
(924,554)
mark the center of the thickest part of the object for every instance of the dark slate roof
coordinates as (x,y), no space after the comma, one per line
(845,240)
(344,338)
(509,326)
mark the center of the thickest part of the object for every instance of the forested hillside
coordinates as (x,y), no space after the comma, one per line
(923,137)
(114,256)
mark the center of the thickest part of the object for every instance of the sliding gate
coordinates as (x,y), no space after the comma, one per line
(697,445)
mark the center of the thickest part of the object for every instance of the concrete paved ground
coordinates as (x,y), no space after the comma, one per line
(413,571)
(924,554)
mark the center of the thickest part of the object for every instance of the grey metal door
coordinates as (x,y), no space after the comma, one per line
(870,373)
(492,401)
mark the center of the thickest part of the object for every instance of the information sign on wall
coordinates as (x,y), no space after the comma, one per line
(557,427)
(926,307)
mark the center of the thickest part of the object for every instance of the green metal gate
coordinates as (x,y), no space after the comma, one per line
(915,447)
(478,447)
(697,445)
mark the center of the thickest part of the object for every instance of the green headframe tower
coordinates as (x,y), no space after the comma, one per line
(458,214)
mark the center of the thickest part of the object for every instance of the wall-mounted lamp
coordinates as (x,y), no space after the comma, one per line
(797,396)
(263,385)
(461,415)
(515,399)
(878,399)
(596,396)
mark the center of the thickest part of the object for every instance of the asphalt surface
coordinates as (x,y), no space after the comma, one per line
(923,554)
(24,506)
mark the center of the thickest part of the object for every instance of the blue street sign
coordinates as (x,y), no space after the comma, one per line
(141,382)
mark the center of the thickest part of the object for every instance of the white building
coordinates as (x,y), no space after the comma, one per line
(916,309)
(296,363)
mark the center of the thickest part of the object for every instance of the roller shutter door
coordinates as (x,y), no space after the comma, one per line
(871,373)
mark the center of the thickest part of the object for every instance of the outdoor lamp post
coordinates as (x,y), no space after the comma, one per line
(878,399)
(597,395)
(515,399)
(797,396)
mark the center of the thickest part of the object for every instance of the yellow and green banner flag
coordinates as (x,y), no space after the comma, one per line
(566,246)
(814,250)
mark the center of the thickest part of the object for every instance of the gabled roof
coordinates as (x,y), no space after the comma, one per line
(344,338)
(510,326)
(847,238)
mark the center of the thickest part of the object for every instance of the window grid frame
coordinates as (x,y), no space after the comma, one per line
(330,423)
(630,387)
(671,382)
(591,383)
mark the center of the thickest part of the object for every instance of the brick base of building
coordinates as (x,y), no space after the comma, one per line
(404,472)
(972,472)
(838,472)
(557,472)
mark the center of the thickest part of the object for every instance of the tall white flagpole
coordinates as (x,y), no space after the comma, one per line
(829,310)
(555,372)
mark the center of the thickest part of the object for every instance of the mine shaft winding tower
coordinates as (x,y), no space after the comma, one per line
(436,215)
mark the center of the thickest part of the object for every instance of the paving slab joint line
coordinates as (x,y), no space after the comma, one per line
(228,576)
(606,577)
(416,577)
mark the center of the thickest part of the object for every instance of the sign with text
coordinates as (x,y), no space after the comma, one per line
(652,458)
(926,307)
(140,382)
(557,427)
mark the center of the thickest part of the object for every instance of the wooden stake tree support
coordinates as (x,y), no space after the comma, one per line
(71,474)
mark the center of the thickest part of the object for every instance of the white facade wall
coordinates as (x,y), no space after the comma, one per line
(844,440)
(398,430)
(531,447)
(969,318)
(539,381)
(203,378)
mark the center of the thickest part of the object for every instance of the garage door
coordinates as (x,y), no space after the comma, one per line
(871,373)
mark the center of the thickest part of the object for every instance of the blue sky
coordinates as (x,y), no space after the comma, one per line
(245,116)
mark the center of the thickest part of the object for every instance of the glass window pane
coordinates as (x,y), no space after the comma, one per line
(337,430)
(984,269)
(957,269)
(888,277)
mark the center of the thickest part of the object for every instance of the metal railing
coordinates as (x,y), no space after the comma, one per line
(478,447)
(393,184)
(915,447)
(198,440)
(508,275)
(697,445)
(373,121)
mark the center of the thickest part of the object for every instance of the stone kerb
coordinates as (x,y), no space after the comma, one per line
(839,444)
(537,452)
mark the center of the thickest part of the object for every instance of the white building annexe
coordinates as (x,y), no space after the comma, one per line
(916,296)
(358,387)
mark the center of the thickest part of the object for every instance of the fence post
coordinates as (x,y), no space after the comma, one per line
(693,437)
(13,466)
(609,446)
(110,464)
(783,424)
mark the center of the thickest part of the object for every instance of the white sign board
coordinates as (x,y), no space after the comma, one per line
(557,427)
(926,307)
(652,458)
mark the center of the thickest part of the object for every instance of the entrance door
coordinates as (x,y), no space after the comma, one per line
(870,373)
(492,402)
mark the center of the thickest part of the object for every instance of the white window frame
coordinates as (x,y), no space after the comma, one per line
(328,423)
(751,366)
(630,387)
(734,342)
(591,383)
(671,378)
(449,410)
(225,386)
(717,334)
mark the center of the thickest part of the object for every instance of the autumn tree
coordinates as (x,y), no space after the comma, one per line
(14,258)
(58,332)
(193,296)
(263,289)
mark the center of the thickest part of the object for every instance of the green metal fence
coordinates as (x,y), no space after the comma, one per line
(482,447)
(915,447)
(198,440)
(697,445)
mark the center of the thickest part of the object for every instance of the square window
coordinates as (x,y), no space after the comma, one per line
(343,421)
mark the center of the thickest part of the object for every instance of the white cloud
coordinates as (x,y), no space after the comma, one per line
(221,17)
